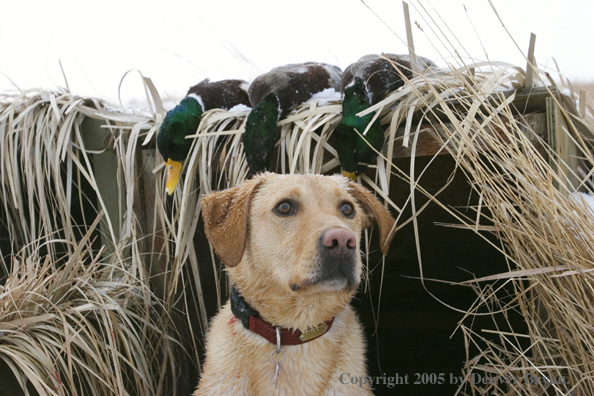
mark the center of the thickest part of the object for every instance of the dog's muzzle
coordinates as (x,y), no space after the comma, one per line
(338,260)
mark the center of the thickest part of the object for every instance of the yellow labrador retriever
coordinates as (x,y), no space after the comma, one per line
(291,247)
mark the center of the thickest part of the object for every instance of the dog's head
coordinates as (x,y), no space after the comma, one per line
(291,236)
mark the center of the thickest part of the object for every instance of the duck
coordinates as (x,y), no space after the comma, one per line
(273,95)
(184,119)
(365,83)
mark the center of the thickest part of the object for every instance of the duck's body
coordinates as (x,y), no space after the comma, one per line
(224,94)
(379,74)
(184,119)
(273,96)
(365,83)
(294,84)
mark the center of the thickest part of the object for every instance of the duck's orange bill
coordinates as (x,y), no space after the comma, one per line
(173,172)
(350,175)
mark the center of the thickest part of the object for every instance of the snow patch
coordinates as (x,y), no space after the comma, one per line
(240,108)
(245,86)
(583,197)
(326,96)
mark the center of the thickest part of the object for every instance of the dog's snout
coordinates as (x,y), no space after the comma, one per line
(338,258)
(339,242)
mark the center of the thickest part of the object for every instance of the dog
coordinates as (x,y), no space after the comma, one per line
(290,244)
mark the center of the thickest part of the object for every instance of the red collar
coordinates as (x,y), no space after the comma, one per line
(250,318)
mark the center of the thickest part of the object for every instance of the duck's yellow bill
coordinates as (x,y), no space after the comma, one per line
(173,173)
(350,175)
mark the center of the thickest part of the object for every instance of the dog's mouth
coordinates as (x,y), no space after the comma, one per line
(335,266)
(331,276)
(325,286)
(337,274)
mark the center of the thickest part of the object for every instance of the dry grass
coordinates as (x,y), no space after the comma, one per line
(77,305)
(71,328)
(525,199)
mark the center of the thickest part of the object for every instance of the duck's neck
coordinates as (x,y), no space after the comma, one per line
(261,133)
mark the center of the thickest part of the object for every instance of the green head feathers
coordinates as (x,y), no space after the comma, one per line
(354,151)
(261,133)
(355,100)
(181,121)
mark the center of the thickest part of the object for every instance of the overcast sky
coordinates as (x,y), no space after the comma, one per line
(178,43)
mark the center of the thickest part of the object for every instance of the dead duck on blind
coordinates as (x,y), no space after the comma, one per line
(184,119)
(273,96)
(365,83)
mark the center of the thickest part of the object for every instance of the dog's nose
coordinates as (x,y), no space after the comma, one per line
(339,242)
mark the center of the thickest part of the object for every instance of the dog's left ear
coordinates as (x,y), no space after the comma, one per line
(376,214)
(225,216)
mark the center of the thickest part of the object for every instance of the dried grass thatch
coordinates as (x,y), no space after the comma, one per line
(66,160)
(528,199)
(71,328)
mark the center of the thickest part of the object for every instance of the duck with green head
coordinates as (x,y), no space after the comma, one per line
(183,120)
(365,83)
(273,96)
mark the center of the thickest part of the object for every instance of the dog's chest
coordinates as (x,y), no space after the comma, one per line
(302,371)
(244,364)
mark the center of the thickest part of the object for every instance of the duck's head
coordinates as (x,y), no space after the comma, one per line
(354,101)
(181,121)
(261,133)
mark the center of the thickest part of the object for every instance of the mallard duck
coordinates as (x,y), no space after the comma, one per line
(365,83)
(273,96)
(184,119)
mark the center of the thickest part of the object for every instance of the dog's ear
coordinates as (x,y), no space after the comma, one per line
(226,216)
(376,214)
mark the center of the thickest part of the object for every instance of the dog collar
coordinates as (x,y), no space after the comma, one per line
(250,318)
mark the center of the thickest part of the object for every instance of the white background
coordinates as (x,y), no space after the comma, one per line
(178,43)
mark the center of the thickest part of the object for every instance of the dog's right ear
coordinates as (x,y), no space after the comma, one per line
(225,216)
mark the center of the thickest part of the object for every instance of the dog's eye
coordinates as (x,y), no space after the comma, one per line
(284,208)
(347,209)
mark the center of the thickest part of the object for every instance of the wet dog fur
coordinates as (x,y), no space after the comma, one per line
(290,244)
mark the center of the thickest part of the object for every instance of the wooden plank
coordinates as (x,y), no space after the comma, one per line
(430,137)
(428,143)
(154,242)
(530,109)
(526,101)
(105,168)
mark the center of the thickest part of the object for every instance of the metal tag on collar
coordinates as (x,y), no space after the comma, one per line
(274,356)
(314,332)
